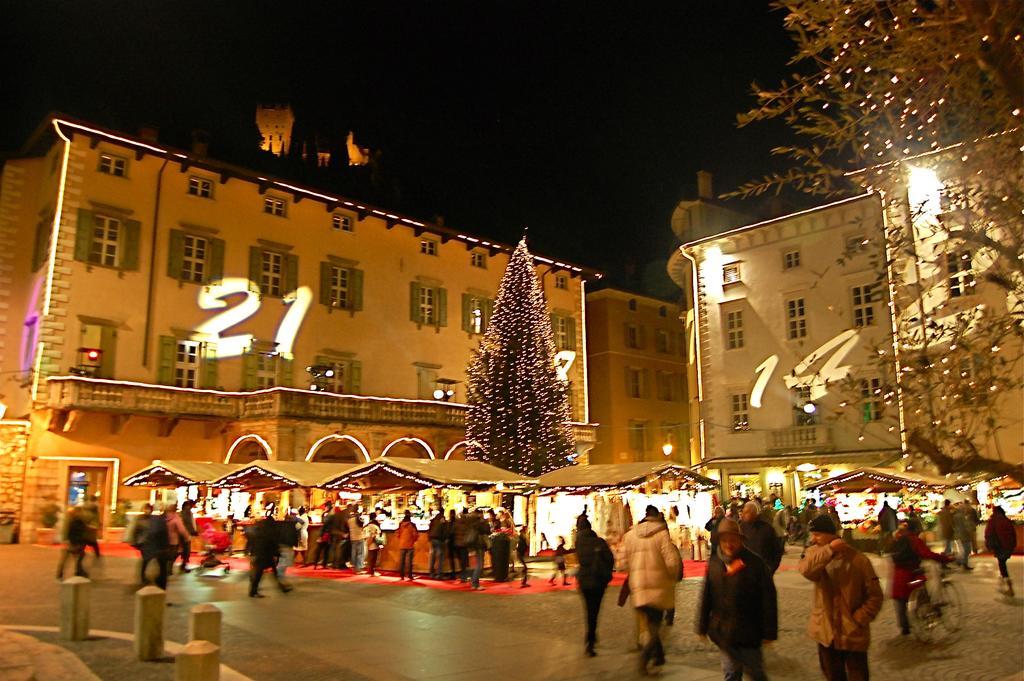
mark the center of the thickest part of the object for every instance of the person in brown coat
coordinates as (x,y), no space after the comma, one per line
(847,597)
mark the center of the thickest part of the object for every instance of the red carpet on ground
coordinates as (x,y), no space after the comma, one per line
(538,584)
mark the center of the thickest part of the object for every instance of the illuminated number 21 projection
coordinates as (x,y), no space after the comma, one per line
(839,347)
(212,298)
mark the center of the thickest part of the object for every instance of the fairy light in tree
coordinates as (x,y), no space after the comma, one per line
(518,416)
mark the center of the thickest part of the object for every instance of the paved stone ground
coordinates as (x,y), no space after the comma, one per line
(344,631)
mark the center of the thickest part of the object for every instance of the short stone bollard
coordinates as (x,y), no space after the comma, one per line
(204,623)
(197,661)
(74,608)
(150,602)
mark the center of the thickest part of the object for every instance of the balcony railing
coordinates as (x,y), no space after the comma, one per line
(800,439)
(90,394)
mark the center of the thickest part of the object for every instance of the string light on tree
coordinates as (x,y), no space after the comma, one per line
(519,416)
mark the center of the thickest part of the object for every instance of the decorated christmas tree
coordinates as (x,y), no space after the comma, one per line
(518,406)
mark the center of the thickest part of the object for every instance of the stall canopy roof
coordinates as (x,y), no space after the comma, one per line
(404,473)
(280,475)
(170,473)
(877,480)
(621,476)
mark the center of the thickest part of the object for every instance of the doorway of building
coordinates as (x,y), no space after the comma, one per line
(87,485)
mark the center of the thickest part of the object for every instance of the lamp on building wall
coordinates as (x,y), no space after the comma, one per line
(89,360)
(667,448)
(319,374)
(444,391)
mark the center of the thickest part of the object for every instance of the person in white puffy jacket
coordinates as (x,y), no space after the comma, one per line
(654,569)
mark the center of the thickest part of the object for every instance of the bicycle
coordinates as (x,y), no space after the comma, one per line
(935,609)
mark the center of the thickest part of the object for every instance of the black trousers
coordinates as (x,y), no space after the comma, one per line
(163,564)
(371,560)
(901,615)
(843,665)
(452,558)
(653,650)
(1001,559)
(79,555)
(326,549)
(259,566)
(186,553)
(592,602)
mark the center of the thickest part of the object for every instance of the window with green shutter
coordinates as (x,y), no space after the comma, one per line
(195,258)
(107,240)
(41,246)
(563,328)
(428,305)
(341,287)
(476,313)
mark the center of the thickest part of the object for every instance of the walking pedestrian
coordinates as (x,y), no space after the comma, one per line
(847,597)
(189,521)
(1001,539)
(973,520)
(945,518)
(522,550)
(595,572)
(91,516)
(780,525)
(438,535)
(76,537)
(560,552)
(962,530)
(654,570)
(739,607)
(157,547)
(177,536)
(908,550)
(887,525)
(712,526)
(758,536)
(264,550)
(407,534)
(138,532)
(374,539)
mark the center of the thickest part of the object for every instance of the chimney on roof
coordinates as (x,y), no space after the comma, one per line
(704,190)
(200,143)
(149,132)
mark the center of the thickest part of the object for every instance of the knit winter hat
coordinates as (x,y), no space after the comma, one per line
(822,523)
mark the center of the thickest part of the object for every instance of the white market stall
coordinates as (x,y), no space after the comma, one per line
(615,497)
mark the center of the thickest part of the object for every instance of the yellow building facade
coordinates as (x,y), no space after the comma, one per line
(637,373)
(160,304)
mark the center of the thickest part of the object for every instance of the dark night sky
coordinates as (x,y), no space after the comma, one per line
(585,121)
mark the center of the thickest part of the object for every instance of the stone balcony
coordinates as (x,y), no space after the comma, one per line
(72,396)
(800,439)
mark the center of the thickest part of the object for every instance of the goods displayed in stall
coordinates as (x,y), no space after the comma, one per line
(614,497)
(859,495)
(392,486)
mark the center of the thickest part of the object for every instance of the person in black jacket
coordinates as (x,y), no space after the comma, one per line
(738,608)
(712,526)
(264,548)
(758,536)
(595,572)
(76,531)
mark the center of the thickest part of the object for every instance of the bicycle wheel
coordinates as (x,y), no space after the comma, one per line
(952,607)
(925,620)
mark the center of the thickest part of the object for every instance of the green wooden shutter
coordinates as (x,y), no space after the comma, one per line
(209,369)
(249,371)
(355,377)
(355,289)
(39,248)
(325,283)
(255,267)
(83,234)
(108,346)
(175,254)
(215,269)
(291,273)
(641,337)
(130,253)
(414,302)
(165,367)
(284,371)
(442,307)
(488,311)
(467,312)
(570,327)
